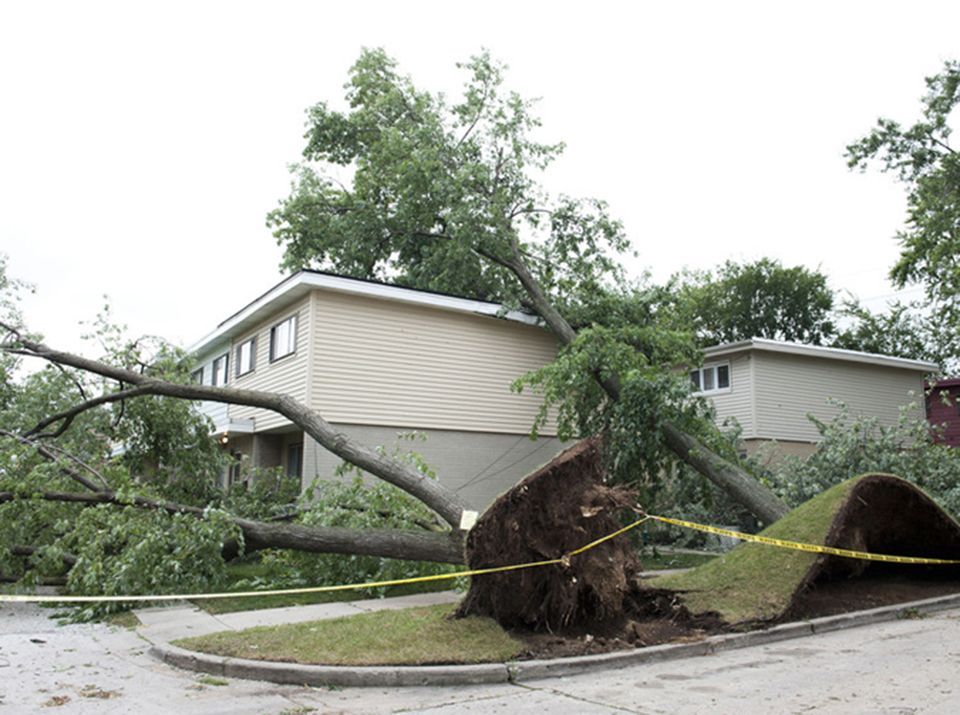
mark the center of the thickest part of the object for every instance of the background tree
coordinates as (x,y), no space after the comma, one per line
(762,299)
(404,186)
(923,160)
(903,330)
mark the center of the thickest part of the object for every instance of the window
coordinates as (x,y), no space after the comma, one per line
(220,369)
(196,376)
(294,459)
(711,378)
(246,356)
(283,338)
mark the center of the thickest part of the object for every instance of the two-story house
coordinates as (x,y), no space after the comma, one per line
(376,360)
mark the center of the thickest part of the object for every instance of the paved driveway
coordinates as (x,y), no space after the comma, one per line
(907,666)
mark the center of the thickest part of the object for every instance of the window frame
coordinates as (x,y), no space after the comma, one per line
(293,455)
(197,376)
(238,357)
(226,370)
(714,368)
(294,323)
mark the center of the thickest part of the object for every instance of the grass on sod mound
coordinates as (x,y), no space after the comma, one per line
(412,636)
(756,582)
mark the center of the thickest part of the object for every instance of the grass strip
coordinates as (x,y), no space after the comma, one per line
(412,636)
(240,574)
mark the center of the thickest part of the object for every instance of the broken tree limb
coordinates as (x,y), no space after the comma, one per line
(388,543)
(430,492)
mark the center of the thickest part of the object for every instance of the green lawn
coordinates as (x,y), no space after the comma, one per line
(413,636)
(240,572)
(660,560)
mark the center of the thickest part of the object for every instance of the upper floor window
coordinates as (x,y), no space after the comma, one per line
(246,356)
(196,376)
(220,369)
(711,378)
(283,338)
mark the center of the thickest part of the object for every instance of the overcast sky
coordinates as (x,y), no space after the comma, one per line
(142,144)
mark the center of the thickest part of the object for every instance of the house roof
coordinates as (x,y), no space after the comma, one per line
(296,286)
(816,351)
(944,382)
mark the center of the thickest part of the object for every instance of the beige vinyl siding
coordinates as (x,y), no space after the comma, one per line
(379,362)
(288,375)
(216,411)
(735,403)
(788,387)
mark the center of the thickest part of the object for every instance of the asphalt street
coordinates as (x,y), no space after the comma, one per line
(903,666)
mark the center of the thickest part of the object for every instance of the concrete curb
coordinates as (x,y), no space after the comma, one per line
(518,671)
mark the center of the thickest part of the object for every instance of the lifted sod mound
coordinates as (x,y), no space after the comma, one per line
(877,513)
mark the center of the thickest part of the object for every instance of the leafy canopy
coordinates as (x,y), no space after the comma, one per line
(923,160)
(406,187)
(446,197)
(762,299)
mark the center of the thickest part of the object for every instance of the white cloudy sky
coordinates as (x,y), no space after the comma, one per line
(142,144)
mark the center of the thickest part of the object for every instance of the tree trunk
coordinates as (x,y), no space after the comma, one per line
(741,486)
(444,547)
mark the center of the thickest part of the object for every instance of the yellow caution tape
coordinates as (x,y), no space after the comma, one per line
(563,560)
(798,546)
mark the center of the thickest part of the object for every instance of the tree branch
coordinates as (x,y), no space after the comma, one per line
(388,543)
(26,550)
(48,454)
(67,416)
(445,502)
(763,503)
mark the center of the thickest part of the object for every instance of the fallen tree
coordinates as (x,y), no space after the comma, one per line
(446,198)
(471,221)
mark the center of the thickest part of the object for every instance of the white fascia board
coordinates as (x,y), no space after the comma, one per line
(299,284)
(777,346)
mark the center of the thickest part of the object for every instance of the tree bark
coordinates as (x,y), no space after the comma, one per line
(389,543)
(447,503)
(26,550)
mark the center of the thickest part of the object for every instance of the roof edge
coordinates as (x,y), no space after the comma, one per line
(307,279)
(780,346)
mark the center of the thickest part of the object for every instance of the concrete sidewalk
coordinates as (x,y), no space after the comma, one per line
(165,624)
(894,668)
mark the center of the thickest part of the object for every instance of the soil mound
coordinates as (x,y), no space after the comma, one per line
(876,513)
(558,508)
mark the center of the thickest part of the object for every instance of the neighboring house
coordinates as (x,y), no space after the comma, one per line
(943,409)
(376,360)
(770,387)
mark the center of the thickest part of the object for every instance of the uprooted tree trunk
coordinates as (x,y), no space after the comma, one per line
(743,488)
(550,513)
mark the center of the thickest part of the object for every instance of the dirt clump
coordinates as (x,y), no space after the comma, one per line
(883,515)
(553,511)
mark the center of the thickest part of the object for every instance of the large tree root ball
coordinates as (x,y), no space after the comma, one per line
(559,508)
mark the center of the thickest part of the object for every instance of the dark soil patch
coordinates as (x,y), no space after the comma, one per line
(872,589)
(656,617)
